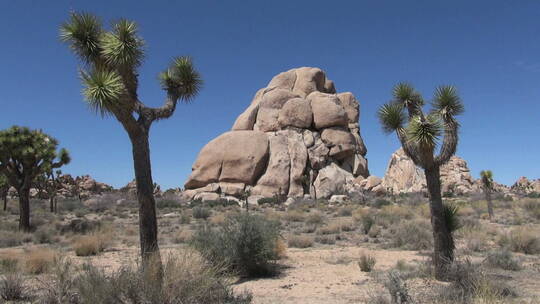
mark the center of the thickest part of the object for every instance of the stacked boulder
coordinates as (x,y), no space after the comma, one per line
(297,138)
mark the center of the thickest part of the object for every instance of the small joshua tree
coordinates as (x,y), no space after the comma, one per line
(24,155)
(4,189)
(419,141)
(487,185)
(110,79)
(48,183)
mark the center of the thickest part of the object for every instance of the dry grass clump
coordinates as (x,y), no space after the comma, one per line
(300,241)
(366,262)
(39,260)
(521,239)
(13,238)
(345,211)
(331,228)
(315,218)
(294,216)
(475,239)
(187,278)
(503,259)
(412,235)
(183,236)
(94,243)
(326,239)
(218,219)
(13,287)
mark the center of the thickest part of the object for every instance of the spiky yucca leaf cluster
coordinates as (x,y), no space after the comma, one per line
(423,131)
(102,90)
(181,78)
(487,178)
(122,47)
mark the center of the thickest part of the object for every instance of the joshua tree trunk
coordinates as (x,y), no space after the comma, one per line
(443,240)
(51,201)
(145,195)
(5,203)
(487,192)
(24,208)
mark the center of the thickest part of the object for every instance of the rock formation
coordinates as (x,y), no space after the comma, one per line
(403,176)
(525,186)
(297,137)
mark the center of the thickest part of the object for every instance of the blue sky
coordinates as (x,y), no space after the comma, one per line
(490,50)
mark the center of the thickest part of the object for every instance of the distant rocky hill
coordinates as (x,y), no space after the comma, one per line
(298,137)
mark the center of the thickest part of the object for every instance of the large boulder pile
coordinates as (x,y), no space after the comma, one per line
(297,138)
(403,176)
(525,186)
(83,186)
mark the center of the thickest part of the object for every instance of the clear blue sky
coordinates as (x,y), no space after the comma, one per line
(489,49)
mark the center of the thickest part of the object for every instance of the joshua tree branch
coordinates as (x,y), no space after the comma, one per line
(162,112)
(450,140)
(410,150)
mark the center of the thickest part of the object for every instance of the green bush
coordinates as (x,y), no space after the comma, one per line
(412,235)
(201,213)
(246,243)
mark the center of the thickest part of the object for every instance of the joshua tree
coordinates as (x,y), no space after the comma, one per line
(110,80)
(49,184)
(419,140)
(487,186)
(4,188)
(24,155)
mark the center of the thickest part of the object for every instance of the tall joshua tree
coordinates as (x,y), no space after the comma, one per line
(110,80)
(487,185)
(419,134)
(4,188)
(24,155)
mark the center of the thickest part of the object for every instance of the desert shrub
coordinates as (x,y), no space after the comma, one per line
(201,213)
(325,239)
(245,242)
(12,287)
(187,278)
(412,235)
(521,239)
(58,289)
(315,218)
(294,216)
(392,214)
(167,203)
(397,288)
(332,228)
(81,226)
(183,236)
(185,218)
(39,260)
(44,236)
(12,238)
(380,202)
(347,225)
(300,241)
(365,218)
(345,211)
(533,195)
(366,262)
(475,239)
(470,284)
(8,264)
(272,201)
(92,244)
(502,259)
(218,219)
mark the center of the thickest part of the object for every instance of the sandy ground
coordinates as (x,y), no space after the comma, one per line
(323,275)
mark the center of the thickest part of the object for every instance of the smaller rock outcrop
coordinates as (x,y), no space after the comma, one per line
(403,176)
(525,186)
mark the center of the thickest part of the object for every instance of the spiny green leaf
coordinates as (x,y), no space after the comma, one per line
(82,32)
(182,78)
(447,102)
(102,89)
(424,132)
(391,117)
(122,47)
